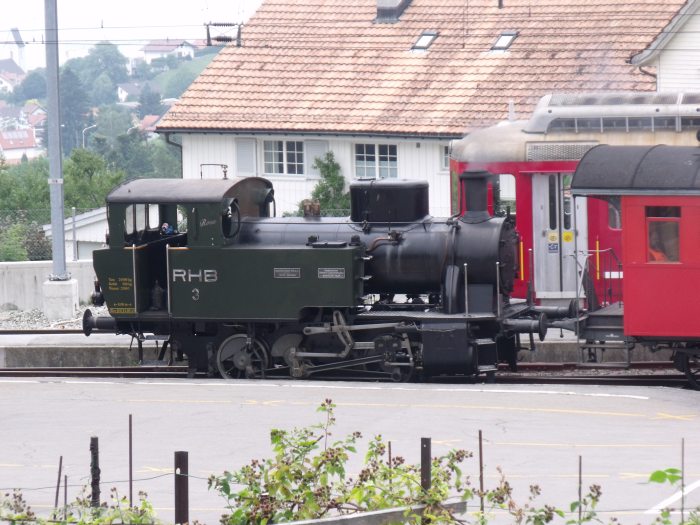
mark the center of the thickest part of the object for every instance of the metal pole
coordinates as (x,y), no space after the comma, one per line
(425,481)
(131,466)
(466,291)
(182,505)
(682,480)
(580,487)
(94,472)
(65,496)
(498,288)
(58,482)
(54,135)
(75,240)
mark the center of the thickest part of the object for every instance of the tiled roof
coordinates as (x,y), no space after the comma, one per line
(18,139)
(326,66)
(165,46)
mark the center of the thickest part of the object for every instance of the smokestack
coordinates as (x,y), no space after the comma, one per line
(474,185)
(389,11)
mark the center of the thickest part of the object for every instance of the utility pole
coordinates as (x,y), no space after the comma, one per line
(60,291)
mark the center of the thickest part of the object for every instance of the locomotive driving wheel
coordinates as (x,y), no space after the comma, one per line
(242,357)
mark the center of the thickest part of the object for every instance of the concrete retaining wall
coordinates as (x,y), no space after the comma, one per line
(21,282)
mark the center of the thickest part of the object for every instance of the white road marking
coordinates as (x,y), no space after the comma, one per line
(671,500)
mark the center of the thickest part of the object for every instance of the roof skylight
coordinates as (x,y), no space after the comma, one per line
(424,40)
(504,40)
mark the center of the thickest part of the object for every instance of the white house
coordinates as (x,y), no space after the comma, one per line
(168,47)
(386,84)
(18,143)
(84,234)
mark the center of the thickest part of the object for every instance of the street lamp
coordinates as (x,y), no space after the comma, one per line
(84,130)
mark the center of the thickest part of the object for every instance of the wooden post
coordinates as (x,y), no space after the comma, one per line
(94,472)
(425,463)
(182,505)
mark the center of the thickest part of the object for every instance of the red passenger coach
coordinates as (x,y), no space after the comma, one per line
(659,191)
(535,160)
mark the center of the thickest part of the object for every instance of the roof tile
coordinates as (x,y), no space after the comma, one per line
(325,66)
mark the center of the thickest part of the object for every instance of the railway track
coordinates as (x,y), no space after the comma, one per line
(41,331)
(643,373)
(539,373)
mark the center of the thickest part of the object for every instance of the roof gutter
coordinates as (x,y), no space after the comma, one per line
(316,133)
(678,21)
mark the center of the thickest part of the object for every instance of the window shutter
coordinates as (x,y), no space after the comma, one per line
(314,148)
(245,157)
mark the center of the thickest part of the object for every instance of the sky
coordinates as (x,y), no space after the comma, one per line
(128,23)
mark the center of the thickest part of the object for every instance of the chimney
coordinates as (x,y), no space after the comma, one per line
(389,11)
(475,190)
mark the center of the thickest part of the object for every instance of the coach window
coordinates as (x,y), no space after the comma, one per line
(662,233)
(614,217)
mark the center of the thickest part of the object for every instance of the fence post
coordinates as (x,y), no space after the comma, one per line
(95,472)
(58,482)
(425,481)
(182,505)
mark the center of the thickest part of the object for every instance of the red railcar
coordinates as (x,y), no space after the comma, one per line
(658,188)
(535,161)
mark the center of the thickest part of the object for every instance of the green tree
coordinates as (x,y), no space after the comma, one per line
(112,121)
(149,102)
(179,82)
(32,87)
(25,186)
(87,180)
(142,70)
(104,57)
(103,90)
(75,110)
(330,190)
(11,245)
(165,158)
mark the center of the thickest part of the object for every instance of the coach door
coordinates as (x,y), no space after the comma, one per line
(554,231)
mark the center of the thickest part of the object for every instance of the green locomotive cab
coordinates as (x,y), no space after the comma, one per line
(149,219)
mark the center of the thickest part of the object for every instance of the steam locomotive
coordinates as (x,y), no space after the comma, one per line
(387,293)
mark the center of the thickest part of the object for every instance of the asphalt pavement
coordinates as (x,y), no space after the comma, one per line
(534,434)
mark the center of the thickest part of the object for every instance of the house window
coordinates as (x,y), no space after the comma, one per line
(376,161)
(662,233)
(424,41)
(504,40)
(284,157)
(445,161)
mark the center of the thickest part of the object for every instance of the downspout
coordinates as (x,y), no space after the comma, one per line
(647,73)
(176,144)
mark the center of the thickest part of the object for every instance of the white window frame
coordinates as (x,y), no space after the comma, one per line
(375,163)
(445,157)
(283,157)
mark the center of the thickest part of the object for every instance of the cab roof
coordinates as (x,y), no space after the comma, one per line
(176,191)
(638,170)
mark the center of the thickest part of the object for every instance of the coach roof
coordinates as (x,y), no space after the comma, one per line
(637,170)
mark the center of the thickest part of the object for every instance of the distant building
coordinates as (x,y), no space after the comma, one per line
(11,75)
(168,47)
(15,144)
(87,236)
(130,91)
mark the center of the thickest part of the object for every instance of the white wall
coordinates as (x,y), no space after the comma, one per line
(21,282)
(678,64)
(417,160)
